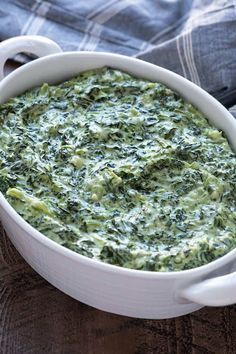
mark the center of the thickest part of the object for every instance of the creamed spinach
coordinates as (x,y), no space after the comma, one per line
(121,170)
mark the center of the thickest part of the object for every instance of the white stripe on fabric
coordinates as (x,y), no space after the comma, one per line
(113,10)
(90,24)
(207,17)
(101,8)
(32,16)
(197,78)
(94,38)
(180,56)
(157,36)
(86,36)
(200,16)
(187,57)
(101,18)
(35,22)
(144,48)
(39,20)
(187,38)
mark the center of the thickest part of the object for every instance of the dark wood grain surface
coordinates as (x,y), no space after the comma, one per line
(37,318)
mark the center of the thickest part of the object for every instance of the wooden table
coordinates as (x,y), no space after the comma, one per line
(36,318)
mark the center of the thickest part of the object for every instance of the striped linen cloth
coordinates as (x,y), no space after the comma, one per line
(195,38)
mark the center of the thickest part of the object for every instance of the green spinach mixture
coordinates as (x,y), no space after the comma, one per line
(121,170)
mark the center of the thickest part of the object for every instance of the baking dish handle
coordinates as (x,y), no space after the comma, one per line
(219,291)
(37,45)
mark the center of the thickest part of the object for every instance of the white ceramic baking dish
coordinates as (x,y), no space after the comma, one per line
(111,288)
